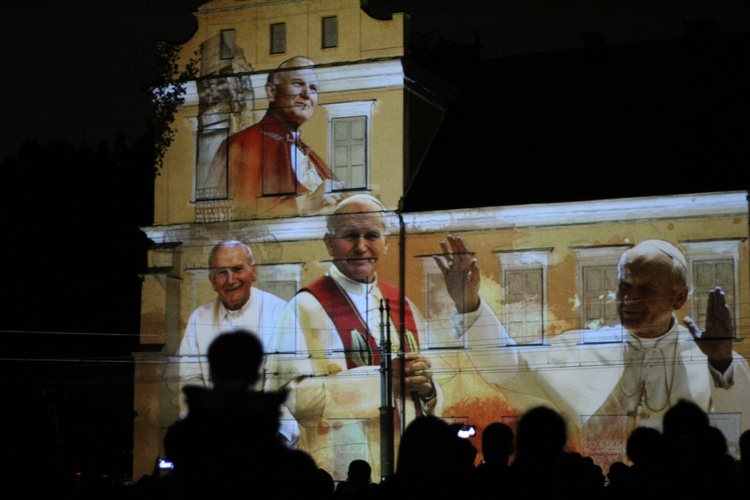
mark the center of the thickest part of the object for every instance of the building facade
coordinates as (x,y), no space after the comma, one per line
(546,269)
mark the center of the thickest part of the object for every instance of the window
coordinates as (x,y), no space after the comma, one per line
(282,280)
(278,38)
(597,288)
(350,151)
(438,308)
(280,288)
(524,304)
(349,128)
(708,274)
(713,263)
(330,32)
(227,44)
(524,277)
(599,302)
(211,172)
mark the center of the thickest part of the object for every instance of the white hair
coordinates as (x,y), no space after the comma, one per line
(360,198)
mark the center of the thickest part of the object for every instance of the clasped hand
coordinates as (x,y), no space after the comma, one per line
(417,375)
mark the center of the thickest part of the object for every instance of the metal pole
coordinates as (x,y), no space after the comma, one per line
(401,329)
(386,398)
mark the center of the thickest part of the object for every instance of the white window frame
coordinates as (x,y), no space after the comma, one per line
(329,29)
(525,260)
(588,257)
(228,45)
(713,250)
(272,48)
(203,161)
(280,272)
(348,110)
(439,331)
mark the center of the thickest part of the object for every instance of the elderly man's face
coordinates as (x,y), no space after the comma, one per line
(295,95)
(232,274)
(358,243)
(647,295)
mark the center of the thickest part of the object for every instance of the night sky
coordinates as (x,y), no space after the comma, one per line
(75,69)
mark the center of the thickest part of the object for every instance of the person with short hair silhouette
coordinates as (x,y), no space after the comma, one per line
(228,444)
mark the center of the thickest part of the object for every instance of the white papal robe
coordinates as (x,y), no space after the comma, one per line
(608,378)
(338,409)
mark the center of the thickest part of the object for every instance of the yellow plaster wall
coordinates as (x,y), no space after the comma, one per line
(160,406)
(360,36)
(153,309)
(563,302)
(387,151)
(147,435)
(174,189)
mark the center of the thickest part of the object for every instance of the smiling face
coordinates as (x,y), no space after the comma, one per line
(357,241)
(232,274)
(293,94)
(649,291)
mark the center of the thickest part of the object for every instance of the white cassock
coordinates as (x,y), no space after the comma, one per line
(258,315)
(599,379)
(338,409)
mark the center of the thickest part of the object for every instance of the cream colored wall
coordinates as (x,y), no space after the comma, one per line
(174,187)
(486,231)
(387,151)
(360,36)
(563,302)
(386,139)
(153,311)
(147,435)
(486,242)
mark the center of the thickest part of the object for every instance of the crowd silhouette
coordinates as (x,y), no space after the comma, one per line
(227,447)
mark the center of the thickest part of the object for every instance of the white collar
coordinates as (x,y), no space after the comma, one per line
(349,285)
(225,313)
(657,342)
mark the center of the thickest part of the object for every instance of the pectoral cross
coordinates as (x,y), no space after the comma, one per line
(635,418)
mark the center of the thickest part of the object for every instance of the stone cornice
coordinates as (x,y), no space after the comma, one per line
(487,218)
(354,76)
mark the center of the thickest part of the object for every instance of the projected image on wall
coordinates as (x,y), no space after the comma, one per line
(281,210)
(490,331)
(269,168)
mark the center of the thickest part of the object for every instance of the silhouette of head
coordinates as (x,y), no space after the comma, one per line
(745,445)
(324,483)
(618,472)
(685,418)
(644,445)
(359,471)
(424,446)
(541,432)
(464,450)
(234,360)
(497,443)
